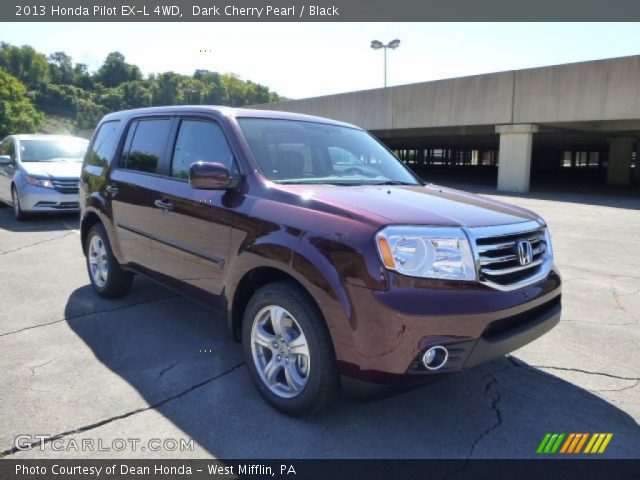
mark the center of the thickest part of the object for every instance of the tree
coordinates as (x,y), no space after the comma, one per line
(61,69)
(60,88)
(89,114)
(24,63)
(165,89)
(115,71)
(135,94)
(82,78)
(214,91)
(234,90)
(17,113)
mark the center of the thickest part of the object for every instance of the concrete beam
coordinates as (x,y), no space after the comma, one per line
(619,166)
(514,157)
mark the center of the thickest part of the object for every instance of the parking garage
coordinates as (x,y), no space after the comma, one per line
(566,125)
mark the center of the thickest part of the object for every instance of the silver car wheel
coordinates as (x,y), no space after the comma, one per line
(98,264)
(280,351)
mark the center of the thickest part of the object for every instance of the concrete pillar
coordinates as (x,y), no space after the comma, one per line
(514,157)
(619,166)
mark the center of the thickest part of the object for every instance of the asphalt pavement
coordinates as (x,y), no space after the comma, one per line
(154,365)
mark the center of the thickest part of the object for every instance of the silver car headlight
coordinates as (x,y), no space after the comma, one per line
(547,241)
(426,252)
(39,182)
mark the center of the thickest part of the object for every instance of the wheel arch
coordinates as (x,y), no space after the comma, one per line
(250,282)
(88,221)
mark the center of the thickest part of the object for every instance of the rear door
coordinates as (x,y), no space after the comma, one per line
(191,228)
(132,187)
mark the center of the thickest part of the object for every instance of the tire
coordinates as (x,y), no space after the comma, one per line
(315,377)
(108,278)
(18,213)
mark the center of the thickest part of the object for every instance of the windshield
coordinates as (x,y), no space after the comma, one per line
(58,150)
(291,151)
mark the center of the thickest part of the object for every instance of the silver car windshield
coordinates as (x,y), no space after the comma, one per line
(58,150)
(291,151)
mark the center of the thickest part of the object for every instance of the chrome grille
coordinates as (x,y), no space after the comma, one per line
(511,256)
(66,185)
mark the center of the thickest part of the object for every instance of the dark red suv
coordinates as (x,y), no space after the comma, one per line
(336,265)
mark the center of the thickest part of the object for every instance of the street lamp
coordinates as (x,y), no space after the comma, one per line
(377,45)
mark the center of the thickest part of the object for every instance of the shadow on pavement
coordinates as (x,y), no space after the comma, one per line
(603,196)
(497,410)
(45,222)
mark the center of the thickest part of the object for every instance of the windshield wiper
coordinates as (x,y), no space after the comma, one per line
(395,182)
(297,182)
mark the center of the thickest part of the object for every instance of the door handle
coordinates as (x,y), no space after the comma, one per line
(164,204)
(111,189)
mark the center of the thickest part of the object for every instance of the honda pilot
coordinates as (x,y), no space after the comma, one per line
(337,267)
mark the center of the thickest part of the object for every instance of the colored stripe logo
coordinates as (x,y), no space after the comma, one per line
(574,443)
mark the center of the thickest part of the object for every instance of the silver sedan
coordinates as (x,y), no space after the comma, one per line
(41,173)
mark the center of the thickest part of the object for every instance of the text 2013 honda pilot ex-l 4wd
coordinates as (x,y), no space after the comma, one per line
(336,265)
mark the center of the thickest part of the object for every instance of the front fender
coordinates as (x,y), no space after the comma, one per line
(321,265)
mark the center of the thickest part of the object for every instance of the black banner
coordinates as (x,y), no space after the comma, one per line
(547,469)
(318,10)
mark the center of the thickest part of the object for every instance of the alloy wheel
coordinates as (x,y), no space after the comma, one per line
(98,263)
(280,351)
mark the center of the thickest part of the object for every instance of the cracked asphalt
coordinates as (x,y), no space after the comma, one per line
(155,365)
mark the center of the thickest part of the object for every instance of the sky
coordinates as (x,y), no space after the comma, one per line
(299,60)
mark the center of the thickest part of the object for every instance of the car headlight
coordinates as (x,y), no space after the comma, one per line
(547,241)
(426,252)
(39,182)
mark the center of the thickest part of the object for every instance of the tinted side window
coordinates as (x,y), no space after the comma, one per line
(147,145)
(199,141)
(104,144)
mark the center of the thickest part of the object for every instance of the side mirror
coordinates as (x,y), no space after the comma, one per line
(210,176)
(5,159)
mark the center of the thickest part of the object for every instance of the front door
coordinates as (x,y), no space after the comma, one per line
(192,228)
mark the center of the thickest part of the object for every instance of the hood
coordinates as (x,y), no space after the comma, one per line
(414,205)
(53,169)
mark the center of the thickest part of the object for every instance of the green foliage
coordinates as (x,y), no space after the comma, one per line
(68,91)
(165,89)
(24,63)
(58,125)
(115,71)
(17,113)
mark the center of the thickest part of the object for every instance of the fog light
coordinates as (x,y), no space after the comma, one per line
(435,357)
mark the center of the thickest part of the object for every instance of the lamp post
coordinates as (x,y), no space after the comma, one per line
(377,45)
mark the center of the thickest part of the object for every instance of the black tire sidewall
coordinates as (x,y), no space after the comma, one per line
(15,199)
(118,281)
(321,382)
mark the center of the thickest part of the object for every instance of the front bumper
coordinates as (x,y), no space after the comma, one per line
(391,330)
(40,199)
